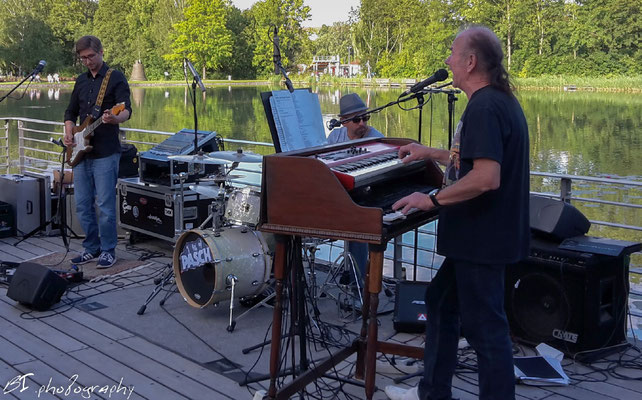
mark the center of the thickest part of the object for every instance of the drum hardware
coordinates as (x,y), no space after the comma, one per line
(345,275)
(231,280)
(166,277)
(221,178)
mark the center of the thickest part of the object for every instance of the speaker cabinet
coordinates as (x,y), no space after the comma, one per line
(410,307)
(555,219)
(573,301)
(36,286)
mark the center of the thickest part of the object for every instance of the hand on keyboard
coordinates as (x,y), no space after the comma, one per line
(395,215)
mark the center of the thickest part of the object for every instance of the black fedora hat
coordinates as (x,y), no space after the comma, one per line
(351,103)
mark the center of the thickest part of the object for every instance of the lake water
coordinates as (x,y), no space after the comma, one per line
(578,133)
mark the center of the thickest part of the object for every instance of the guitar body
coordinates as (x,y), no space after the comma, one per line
(82,146)
(83,135)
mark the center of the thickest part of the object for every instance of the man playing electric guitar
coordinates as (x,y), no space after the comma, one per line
(95,94)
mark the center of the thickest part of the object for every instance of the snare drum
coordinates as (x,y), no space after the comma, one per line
(243,207)
(203,261)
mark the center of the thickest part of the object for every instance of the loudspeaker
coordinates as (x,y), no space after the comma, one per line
(573,301)
(36,286)
(410,307)
(555,219)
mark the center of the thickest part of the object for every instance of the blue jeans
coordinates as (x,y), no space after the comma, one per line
(95,182)
(471,297)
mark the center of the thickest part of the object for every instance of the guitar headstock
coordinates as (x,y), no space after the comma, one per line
(118,108)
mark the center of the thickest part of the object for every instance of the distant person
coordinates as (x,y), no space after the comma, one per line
(56,78)
(355,126)
(483,224)
(50,78)
(37,78)
(96,175)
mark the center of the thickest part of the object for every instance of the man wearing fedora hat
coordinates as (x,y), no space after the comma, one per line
(355,126)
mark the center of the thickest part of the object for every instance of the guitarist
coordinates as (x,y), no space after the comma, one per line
(95,177)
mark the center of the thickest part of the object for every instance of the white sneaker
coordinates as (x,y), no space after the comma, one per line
(397,393)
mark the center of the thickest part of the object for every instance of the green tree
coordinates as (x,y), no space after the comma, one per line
(25,38)
(203,36)
(112,28)
(287,16)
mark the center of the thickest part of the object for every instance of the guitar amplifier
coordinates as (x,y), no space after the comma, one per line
(159,211)
(156,168)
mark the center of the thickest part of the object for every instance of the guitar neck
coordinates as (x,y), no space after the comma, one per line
(90,129)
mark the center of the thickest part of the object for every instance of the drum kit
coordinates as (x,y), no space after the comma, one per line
(229,259)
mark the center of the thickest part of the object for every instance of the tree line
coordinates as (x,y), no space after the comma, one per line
(396,38)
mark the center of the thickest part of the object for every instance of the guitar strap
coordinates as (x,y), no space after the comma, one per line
(95,114)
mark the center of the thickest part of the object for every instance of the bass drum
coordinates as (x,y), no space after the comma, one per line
(203,260)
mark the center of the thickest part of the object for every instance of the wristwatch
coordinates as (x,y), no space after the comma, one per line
(433,197)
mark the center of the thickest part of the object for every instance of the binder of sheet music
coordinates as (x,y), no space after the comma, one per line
(298,119)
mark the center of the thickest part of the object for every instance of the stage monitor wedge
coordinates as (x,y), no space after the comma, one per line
(555,219)
(36,286)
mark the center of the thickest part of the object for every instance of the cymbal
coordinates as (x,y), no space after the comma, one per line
(207,191)
(221,178)
(196,159)
(237,156)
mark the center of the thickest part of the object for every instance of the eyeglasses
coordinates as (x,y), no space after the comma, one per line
(89,57)
(356,120)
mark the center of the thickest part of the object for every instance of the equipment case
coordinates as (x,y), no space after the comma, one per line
(27,196)
(156,210)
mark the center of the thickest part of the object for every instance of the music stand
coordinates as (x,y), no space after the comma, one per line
(61,212)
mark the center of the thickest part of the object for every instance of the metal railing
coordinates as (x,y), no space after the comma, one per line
(37,154)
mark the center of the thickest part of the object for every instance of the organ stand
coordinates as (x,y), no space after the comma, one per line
(341,192)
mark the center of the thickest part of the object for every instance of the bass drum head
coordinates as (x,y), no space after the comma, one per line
(203,260)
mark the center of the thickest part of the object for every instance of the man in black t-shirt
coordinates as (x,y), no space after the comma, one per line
(483,224)
(96,175)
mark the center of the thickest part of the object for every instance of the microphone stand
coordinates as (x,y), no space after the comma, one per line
(196,149)
(288,82)
(31,75)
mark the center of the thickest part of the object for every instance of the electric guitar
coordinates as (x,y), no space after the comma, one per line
(83,134)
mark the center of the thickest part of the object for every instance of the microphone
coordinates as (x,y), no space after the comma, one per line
(276,54)
(438,76)
(58,142)
(194,73)
(39,67)
(333,123)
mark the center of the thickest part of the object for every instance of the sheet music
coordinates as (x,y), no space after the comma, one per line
(298,119)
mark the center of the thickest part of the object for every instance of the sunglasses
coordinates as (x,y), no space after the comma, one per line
(356,120)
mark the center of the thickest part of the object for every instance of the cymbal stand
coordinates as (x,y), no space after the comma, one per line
(344,265)
(167,277)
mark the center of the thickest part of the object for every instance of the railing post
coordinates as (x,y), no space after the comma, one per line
(21,146)
(6,144)
(565,189)
(397,255)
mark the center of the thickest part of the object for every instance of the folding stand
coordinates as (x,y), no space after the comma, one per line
(168,275)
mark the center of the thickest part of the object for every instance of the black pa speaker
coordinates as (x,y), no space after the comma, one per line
(36,286)
(573,301)
(556,219)
(410,307)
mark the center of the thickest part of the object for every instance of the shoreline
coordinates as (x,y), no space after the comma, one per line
(379,83)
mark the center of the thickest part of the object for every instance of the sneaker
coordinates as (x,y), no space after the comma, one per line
(83,258)
(397,393)
(105,260)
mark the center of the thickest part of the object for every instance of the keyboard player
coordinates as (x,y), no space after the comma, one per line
(355,127)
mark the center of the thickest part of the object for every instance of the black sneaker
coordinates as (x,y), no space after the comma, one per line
(83,258)
(105,260)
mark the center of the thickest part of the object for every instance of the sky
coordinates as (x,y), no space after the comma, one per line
(322,11)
